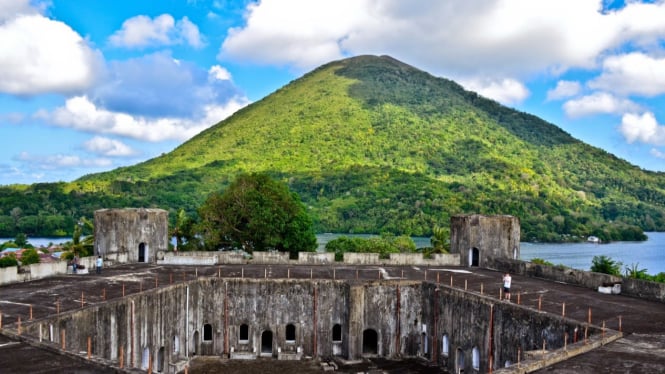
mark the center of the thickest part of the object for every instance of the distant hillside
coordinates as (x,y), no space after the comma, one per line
(374,145)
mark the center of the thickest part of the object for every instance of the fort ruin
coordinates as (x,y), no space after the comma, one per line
(444,310)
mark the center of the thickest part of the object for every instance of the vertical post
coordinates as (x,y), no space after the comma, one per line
(540,302)
(103,293)
(602,329)
(265,273)
(465,284)
(565,341)
(620,324)
(543,346)
(156,281)
(288,273)
(481,288)
(334,274)
(242,272)
(402,273)
(311,273)
(585,334)
(0,320)
(589,316)
(519,353)
(451,280)
(62,339)
(425,274)
(30,312)
(89,348)
(219,272)
(57,305)
(122,358)
(82,299)
(500,293)
(563,309)
(519,294)
(196,272)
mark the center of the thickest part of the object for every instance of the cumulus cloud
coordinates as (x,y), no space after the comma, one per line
(598,103)
(108,147)
(506,91)
(632,73)
(564,89)
(51,162)
(40,55)
(143,31)
(157,85)
(82,114)
(456,38)
(642,128)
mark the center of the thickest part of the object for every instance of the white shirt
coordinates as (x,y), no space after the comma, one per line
(506,281)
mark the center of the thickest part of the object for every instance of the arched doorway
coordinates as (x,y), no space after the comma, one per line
(266,343)
(474,257)
(160,360)
(459,361)
(195,343)
(370,342)
(143,253)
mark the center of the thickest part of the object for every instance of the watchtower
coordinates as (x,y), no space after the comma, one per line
(476,237)
(131,235)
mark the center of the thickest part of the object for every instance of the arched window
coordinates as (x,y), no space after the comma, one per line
(337,333)
(207,332)
(370,342)
(176,344)
(445,345)
(290,333)
(244,333)
(475,358)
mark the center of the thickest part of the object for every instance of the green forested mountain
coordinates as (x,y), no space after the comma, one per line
(374,145)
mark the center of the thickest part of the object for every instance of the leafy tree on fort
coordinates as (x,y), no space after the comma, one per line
(256,213)
(604,264)
(184,232)
(30,256)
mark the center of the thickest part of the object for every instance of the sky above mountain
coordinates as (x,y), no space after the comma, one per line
(88,86)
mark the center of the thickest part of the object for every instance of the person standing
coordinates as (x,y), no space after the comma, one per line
(99,264)
(75,264)
(507,280)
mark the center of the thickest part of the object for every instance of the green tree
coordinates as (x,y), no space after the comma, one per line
(83,239)
(30,256)
(8,261)
(21,240)
(256,213)
(440,239)
(604,264)
(634,271)
(183,231)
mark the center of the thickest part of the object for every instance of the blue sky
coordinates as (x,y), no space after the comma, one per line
(88,86)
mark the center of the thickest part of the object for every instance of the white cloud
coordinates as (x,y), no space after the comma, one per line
(563,90)
(81,114)
(632,73)
(142,31)
(219,73)
(656,153)
(642,128)
(506,91)
(52,162)
(108,147)
(40,55)
(457,38)
(598,103)
(12,8)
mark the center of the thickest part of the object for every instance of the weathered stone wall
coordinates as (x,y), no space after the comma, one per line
(164,327)
(477,237)
(137,233)
(632,287)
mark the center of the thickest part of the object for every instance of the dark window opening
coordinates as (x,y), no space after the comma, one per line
(244,332)
(142,252)
(475,257)
(337,333)
(290,333)
(160,360)
(207,332)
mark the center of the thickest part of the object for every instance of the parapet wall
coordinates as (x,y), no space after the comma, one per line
(643,289)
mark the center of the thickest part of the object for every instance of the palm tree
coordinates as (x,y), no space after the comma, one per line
(440,239)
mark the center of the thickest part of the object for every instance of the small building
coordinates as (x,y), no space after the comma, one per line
(476,237)
(131,235)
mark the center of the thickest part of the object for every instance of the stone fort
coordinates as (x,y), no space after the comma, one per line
(290,318)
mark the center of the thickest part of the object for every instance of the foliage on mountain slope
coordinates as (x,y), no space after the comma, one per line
(372,145)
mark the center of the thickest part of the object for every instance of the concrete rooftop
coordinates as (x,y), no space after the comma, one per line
(641,350)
